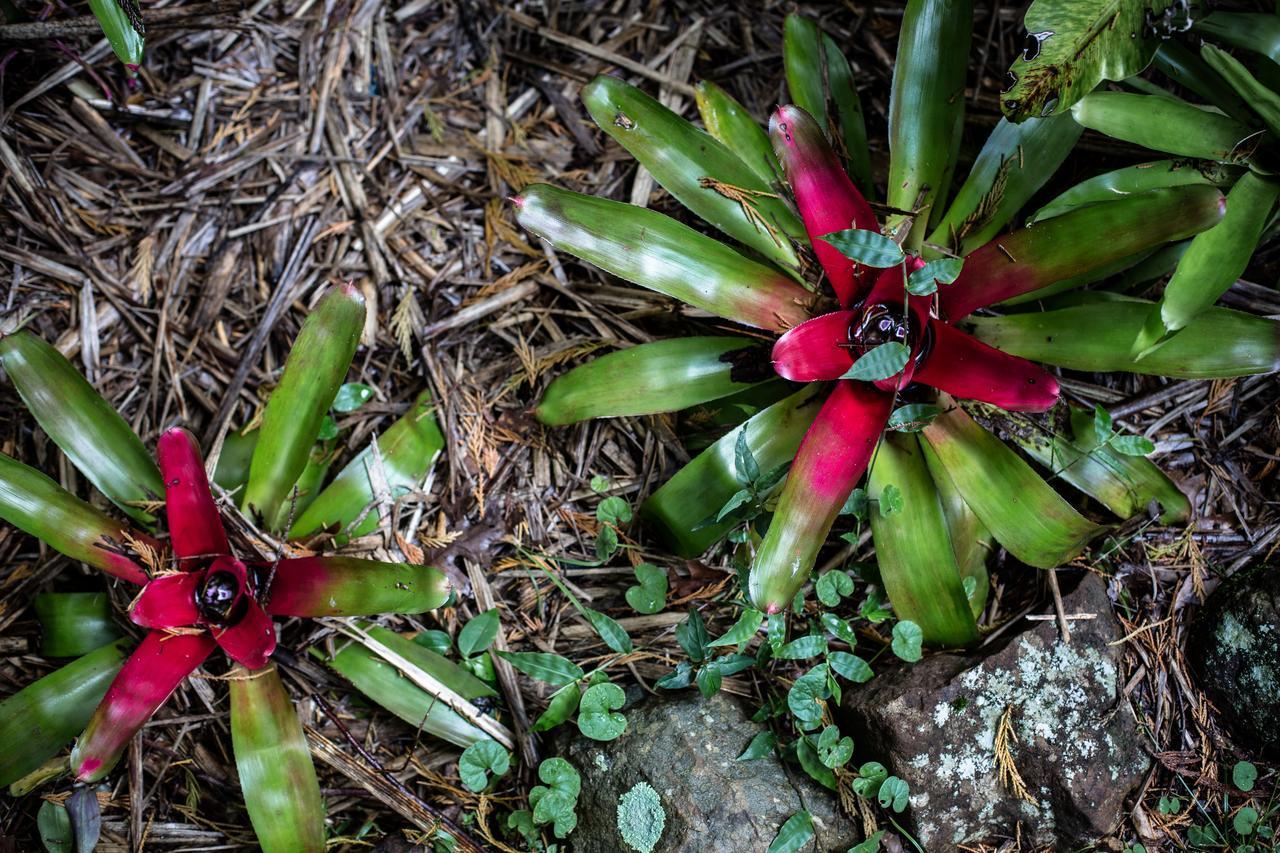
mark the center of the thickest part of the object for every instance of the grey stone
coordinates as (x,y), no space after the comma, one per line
(1235,648)
(934,724)
(685,747)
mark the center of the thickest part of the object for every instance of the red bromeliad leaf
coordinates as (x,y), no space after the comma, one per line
(967,368)
(168,602)
(345,586)
(890,289)
(832,458)
(246,634)
(195,526)
(811,352)
(827,199)
(150,675)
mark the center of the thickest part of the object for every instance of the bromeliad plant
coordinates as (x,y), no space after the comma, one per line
(1231,143)
(895,323)
(198,592)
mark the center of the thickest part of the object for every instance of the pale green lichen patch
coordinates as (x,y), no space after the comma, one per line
(641,817)
(1234,635)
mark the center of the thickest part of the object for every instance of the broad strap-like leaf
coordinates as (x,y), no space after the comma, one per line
(1261,99)
(150,675)
(36,504)
(1255,31)
(655,251)
(914,549)
(347,586)
(1163,124)
(1177,62)
(232,471)
(971,543)
(812,351)
(1020,509)
(698,171)
(926,111)
(821,83)
(386,686)
(1071,245)
(43,717)
(1015,161)
(125,38)
(1131,180)
(729,122)
(74,623)
(832,458)
(967,368)
(1213,261)
(168,601)
(1098,336)
(277,777)
(826,197)
(1071,46)
(91,433)
(700,489)
(316,367)
(1124,484)
(195,525)
(660,376)
(407,450)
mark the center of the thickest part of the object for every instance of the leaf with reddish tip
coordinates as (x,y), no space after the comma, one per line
(1014,163)
(832,458)
(408,449)
(36,504)
(1213,262)
(926,110)
(168,602)
(1076,242)
(316,367)
(274,764)
(91,433)
(148,678)
(195,525)
(683,159)
(346,586)
(43,717)
(1098,336)
(914,549)
(827,199)
(1020,509)
(967,368)
(728,121)
(821,83)
(1141,178)
(701,488)
(660,376)
(655,251)
(813,351)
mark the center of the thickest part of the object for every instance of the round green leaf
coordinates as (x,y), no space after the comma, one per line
(479,760)
(907,638)
(597,717)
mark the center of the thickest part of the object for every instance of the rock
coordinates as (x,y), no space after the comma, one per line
(1235,648)
(682,748)
(935,724)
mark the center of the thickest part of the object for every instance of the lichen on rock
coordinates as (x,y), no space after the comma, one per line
(641,818)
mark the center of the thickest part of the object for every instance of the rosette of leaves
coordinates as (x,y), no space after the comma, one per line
(202,587)
(1222,131)
(886,333)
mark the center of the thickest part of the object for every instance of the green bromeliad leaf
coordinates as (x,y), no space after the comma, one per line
(1039,527)
(125,39)
(926,111)
(701,488)
(661,376)
(274,764)
(655,251)
(1072,45)
(1014,163)
(739,131)
(699,171)
(407,451)
(1190,71)
(1137,179)
(1098,336)
(1255,31)
(87,429)
(74,623)
(821,83)
(315,369)
(1163,124)
(914,549)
